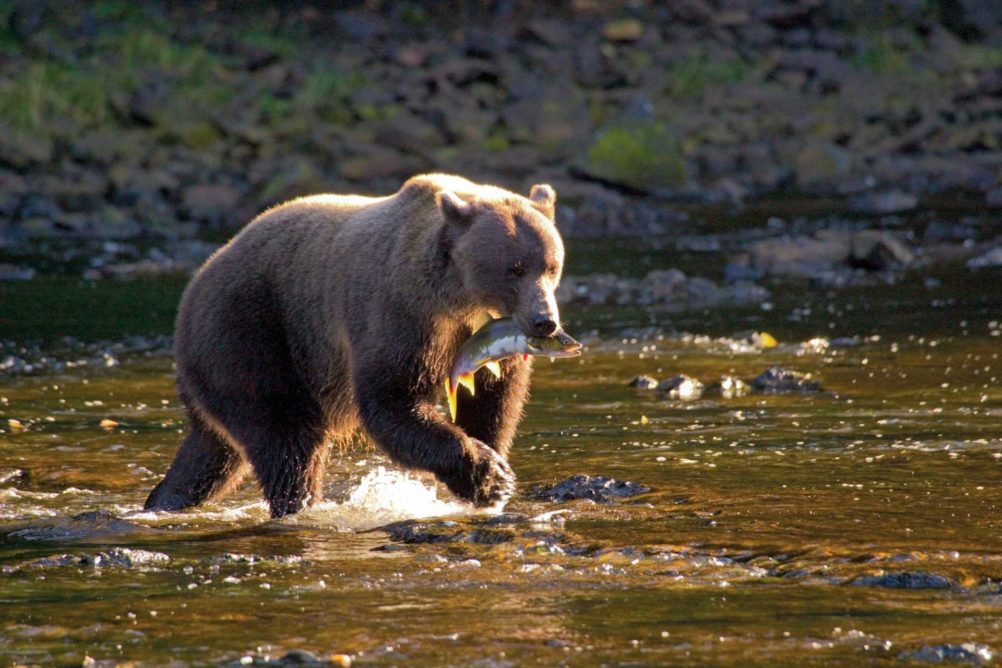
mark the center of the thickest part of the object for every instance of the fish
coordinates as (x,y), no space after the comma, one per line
(499,339)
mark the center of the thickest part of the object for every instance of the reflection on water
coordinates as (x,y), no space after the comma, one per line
(854,525)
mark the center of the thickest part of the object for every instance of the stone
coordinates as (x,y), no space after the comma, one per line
(729,387)
(876,250)
(598,489)
(904,580)
(623,30)
(22,150)
(990,258)
(644,383)
(409,133)
(778,380)
(971,653)
(13,272)
(379,163)
(800,256)
(681,387)
(211,203)
(821,163)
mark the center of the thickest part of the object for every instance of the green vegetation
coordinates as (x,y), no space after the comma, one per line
(881,56)
(690,77)
(641,154)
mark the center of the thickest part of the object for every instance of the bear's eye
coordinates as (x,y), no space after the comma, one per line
(552,270)
(515,271)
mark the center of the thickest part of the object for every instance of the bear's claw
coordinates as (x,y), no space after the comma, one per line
(489,481)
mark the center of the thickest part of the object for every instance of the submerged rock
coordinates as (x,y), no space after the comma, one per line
(598,488)
(85,526)
(681,387)
(992,258)
(777,380)
(904,580)
(116,557)
(644,382)
(729,387)
(968,652)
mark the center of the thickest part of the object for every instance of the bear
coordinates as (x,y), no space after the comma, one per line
(331,315)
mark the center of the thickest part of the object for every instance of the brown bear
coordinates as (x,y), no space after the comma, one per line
(329,313)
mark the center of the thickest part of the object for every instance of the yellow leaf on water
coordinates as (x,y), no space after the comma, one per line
(15,425)
(108,424)
(643,419)
(767,340)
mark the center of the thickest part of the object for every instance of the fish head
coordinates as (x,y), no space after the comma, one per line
(509,254)
(561,344)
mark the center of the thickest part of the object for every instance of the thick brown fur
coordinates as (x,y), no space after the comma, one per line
(330,313)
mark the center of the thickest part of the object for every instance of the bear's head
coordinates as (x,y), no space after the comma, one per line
(508,252)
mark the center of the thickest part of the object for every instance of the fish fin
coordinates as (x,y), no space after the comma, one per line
(466,380)
(494,368)
(450,396)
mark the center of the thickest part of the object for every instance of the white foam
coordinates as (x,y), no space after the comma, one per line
(383,496)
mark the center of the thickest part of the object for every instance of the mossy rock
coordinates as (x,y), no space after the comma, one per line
(643,155)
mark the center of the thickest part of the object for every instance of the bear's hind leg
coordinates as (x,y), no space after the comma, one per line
(288,453)
(205,467)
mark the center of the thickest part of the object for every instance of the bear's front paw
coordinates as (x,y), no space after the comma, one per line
(488,481)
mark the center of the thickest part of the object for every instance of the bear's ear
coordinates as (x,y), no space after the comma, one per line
(544,197)
(454,209)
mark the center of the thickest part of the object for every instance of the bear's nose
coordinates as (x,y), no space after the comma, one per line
(543,325)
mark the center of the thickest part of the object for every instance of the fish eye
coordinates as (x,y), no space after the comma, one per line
(517,270)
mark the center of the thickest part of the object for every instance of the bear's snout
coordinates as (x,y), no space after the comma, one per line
(543,325)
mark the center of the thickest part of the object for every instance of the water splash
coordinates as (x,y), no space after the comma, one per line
(383,495)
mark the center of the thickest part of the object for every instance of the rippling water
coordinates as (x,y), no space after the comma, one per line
(855,525)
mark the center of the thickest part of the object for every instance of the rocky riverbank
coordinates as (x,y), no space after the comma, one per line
(151,121)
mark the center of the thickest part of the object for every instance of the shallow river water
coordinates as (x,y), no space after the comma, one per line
(857,526)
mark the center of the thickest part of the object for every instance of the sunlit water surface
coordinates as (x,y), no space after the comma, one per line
(766,513)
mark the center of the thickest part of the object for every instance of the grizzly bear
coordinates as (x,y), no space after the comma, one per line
(331,313)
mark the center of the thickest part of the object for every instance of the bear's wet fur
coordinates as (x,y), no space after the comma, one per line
(332,313)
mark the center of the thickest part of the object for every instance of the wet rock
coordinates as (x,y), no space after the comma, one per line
(644,383)
(294,657)
(117,557)
(681,387)
(991,258)
(971,653)
(890,201)
(878,251)
(8,476)
(446,531)
(598,488)
(805,256)
(904,580)
(729,387)
(13,272)
(777,380)
(99,524)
